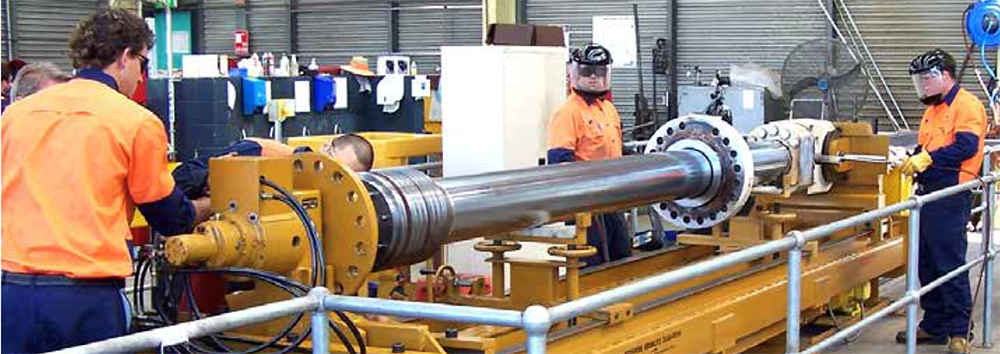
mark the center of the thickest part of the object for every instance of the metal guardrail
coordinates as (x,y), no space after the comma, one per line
(536,320)
(913,291)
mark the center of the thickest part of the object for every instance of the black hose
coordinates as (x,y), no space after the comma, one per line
(343,317)
(291,286)
(196,311)
(135,285)
(308,224)
(284,283)
(354,331)
(256,274)
(289,199)
(318,262)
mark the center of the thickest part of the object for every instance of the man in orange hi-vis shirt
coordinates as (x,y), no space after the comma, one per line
(78,158)
(587,128)
(950,152)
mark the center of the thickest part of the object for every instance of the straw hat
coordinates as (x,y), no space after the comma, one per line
(358,66)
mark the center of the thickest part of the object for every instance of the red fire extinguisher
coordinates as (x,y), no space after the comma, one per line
(241,43)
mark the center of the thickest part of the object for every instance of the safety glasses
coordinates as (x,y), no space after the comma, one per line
(593,70)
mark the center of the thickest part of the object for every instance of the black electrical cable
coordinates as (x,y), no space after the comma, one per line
(307,223)
(288,329)
(135,285)
(987,244)
(143,272)
(290,286)
(354,331)
(290,200)
(317,260)
(319,273)
(343,317)
(196,311)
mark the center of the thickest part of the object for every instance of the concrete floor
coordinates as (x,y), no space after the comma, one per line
(880,337)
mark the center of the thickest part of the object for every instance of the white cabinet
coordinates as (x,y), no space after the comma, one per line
(496,104)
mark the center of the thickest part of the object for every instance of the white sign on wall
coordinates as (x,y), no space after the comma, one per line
(617,33)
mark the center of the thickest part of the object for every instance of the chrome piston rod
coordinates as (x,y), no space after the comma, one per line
(418,215)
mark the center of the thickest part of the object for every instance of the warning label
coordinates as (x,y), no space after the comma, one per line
(660,344)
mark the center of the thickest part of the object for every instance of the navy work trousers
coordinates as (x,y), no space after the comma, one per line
(42,318)
(943,245)
(608,229)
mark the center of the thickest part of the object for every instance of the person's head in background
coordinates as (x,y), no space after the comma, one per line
(36,77)
(7,78)
(113,41)
(352,150)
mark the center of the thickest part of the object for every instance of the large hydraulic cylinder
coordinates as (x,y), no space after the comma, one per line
(699,181)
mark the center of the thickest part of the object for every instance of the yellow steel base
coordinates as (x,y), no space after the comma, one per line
(731,316)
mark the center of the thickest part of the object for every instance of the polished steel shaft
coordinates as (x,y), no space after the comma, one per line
(420,214)
(510,200)
(770,160)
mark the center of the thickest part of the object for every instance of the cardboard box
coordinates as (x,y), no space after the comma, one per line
(510,34)
(549,36)
(525,35)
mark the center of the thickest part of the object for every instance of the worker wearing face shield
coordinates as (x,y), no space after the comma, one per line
(587,128)
(950,152)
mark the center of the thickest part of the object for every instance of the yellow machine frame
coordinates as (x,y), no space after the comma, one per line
(729,311)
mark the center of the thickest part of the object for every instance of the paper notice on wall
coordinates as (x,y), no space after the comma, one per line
(181,42)
(341,87)
(617,33)
(231,95)
(421,87)
(302,89)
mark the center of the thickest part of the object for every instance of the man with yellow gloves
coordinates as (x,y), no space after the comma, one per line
(950,152)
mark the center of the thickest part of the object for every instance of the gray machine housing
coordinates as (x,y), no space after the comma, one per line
(751,106)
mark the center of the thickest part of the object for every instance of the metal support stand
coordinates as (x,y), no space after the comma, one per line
(536,322)
(794,293)
(987,217)
(320,334)
(912,281)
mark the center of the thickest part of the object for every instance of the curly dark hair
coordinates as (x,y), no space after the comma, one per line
(101,38)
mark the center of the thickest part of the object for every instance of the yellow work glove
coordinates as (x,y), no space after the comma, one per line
(917,163)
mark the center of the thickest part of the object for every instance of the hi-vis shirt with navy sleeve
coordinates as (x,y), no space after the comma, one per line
(952,132)
(77,160)
(584,132)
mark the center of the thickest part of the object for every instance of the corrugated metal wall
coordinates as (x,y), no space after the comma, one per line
(579,16)
(3,32)
(44,28)
(268,23)
(717,33)
(218,25)
(332,31)
(425,26)
(897,31)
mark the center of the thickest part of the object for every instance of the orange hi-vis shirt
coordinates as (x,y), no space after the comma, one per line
(270,147)
(961,114)
(592,132)
(77,157)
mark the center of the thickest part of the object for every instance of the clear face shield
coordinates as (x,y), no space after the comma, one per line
(930,85)
(588,78)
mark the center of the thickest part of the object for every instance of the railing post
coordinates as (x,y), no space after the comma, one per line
(912,277)
(536,321)
(987,217)
(794,294)
(320,334)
